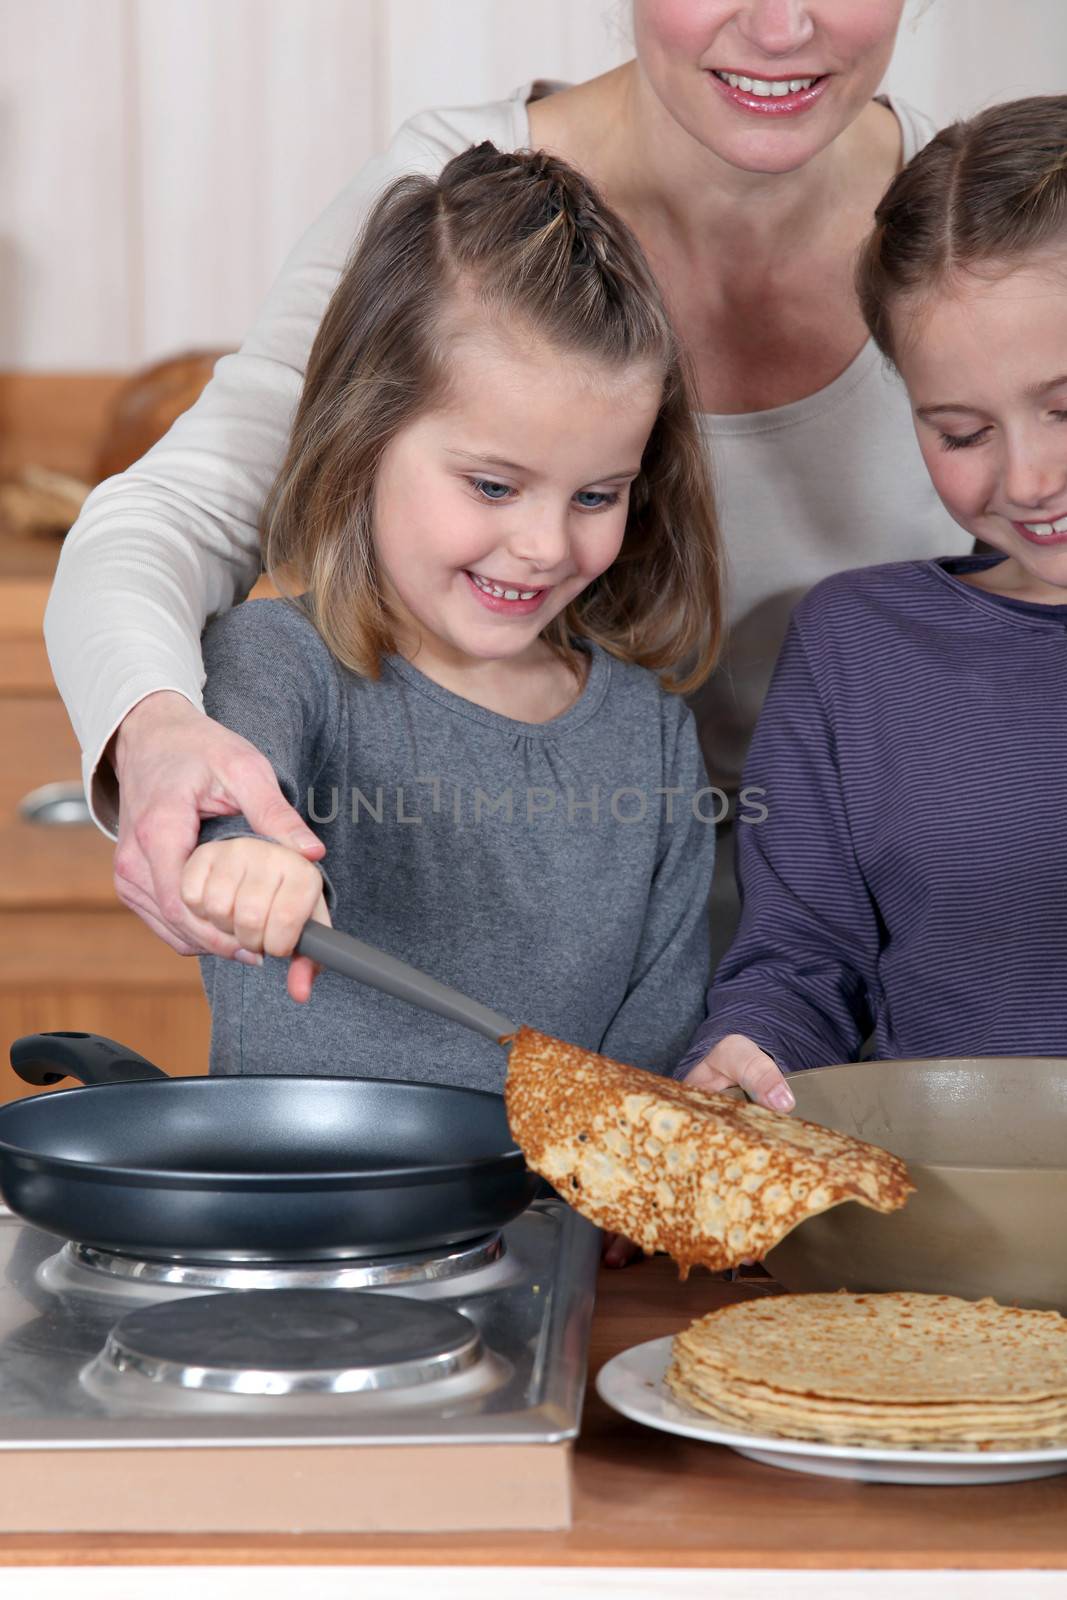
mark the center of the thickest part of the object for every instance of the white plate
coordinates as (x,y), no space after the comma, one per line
(633,1384)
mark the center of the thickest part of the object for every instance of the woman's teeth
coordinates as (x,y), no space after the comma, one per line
(1045,530)
(499,593)
(766,86)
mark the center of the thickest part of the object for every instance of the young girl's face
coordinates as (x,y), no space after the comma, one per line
(986,369)
(494,511)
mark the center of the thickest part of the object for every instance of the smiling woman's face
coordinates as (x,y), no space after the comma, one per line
(765,85)
(985,364)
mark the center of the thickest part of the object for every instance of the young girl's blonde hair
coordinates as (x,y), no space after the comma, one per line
(979,197)
(523,237)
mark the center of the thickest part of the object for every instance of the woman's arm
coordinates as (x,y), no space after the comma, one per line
(168,544)
(798,980)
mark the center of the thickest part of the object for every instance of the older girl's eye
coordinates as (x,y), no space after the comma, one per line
(958,441)
(596,499)
(489,490)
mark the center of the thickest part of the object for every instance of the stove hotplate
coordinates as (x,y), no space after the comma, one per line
(481,1343)
(291,1341)
(83,1271)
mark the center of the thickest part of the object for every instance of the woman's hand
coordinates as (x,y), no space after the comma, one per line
(174,766)
(736,1060)
(262,894)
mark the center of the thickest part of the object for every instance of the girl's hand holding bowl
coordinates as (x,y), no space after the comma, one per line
(738,1062)
(263,893)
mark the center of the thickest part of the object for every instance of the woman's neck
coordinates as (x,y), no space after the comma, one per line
(615,128)
(771,318)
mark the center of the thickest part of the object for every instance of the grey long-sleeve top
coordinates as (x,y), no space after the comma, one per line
(557,871)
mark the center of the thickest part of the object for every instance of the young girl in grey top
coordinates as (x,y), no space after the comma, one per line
(497,550)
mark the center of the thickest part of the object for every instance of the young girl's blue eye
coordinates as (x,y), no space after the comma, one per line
(490,490)
(587,499)
(951,441)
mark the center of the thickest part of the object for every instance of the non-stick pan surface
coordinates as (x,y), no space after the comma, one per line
(263,1167)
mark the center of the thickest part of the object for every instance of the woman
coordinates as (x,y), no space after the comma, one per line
(744,148)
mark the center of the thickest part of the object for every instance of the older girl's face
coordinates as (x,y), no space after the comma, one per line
(985,364)
(765,84)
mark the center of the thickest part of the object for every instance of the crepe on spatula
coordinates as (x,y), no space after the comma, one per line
(911,1371)
(709,1179)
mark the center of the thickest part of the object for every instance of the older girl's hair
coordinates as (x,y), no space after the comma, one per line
(521,236)
(979,196)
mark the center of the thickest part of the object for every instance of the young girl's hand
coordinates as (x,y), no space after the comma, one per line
(616,1250)
(262,893)
(736,1060)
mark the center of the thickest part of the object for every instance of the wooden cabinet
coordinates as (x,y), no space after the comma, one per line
(71,955)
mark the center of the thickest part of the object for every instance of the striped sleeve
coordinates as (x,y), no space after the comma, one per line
(799,976)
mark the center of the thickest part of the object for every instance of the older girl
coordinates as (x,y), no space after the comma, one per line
(910,877)
(494,500)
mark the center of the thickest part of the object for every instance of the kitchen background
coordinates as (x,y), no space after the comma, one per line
(158,158)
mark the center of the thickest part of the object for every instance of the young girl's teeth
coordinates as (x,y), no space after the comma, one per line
(1045,530)
(765,86)
(502,594)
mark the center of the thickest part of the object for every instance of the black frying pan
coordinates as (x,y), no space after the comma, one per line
(260,1167)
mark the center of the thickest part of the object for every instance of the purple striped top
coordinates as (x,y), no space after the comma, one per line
(910,876)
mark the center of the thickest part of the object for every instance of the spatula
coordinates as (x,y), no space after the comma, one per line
(353,958)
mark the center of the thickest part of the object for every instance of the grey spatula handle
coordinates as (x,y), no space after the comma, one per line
(352,958)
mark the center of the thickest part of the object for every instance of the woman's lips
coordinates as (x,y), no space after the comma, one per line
(785,105)
(506,608)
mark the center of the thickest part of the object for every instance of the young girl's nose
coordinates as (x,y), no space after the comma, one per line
(1035,480)
(544,541)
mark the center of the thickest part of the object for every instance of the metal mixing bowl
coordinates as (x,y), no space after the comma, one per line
(985,1140)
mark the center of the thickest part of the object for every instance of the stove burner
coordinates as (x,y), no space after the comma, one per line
(423,1266)
(289,1341)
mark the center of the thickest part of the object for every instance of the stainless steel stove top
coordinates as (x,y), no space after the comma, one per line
(485,1342)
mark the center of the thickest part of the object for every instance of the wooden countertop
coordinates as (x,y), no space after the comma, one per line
(645,1499)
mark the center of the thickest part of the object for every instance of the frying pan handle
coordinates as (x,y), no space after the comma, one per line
(45,1058)
(339,952)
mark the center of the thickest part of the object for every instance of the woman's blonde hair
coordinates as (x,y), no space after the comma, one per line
(521,236)
(981,196)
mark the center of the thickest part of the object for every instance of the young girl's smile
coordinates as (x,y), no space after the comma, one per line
(495,510)
(986,369)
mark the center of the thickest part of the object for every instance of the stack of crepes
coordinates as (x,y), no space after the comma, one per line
(904,1371)
(704,1177)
